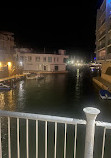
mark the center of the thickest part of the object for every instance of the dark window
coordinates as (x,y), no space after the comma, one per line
(37,59)
(64,60)
(44,59)
(108,71)
(44,67)
(56,68)
(29,58)
(21,58)
(49,59)
(109,50)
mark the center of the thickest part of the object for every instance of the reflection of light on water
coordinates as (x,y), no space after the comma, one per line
(7,101)
(21,90)
(21,86)
(2,102)
(10,99)
(77,88)
(77,73)
(21,93)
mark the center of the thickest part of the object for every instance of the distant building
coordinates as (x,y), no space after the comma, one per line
(6,42)
(62,52)
(40,62)
(103,32)
(6,53)
(103,37)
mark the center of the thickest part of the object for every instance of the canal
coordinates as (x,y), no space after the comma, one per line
(59,95)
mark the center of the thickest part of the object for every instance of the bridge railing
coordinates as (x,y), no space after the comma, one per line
(106,127)
(91,114)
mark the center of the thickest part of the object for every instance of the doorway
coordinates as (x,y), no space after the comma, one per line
(56,68)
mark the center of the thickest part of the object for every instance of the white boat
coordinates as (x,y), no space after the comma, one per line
(4,87)
(31,77)
(38,76)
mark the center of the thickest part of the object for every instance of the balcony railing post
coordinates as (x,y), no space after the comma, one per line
(0,140)
(91,114)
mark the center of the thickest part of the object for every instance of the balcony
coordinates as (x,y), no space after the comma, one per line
(108,56)
(101,46)
(101,58)
(100,25)
(102,35)
(90,124)
(109,42)
(103,22)
(2,51)
(109,28)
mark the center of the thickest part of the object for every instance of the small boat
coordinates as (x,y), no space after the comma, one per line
(104,94)
(4,87)
(31,77)
(39,77)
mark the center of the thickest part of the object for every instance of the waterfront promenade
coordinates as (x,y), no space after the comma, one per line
(102,83)
(11,77)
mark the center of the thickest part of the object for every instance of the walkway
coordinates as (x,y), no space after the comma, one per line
(102,83)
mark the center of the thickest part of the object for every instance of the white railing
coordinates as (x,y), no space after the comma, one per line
(91,114)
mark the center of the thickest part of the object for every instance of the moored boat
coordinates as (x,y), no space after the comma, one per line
(40,76)
(104,94)
(4,87)
(31,77)
(37,76)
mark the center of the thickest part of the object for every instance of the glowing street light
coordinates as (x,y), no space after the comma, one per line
(21,63)
(9,64)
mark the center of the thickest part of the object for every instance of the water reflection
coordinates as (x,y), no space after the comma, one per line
(57,94)
(21,96)
(10,100)
(2,101)
(77,86)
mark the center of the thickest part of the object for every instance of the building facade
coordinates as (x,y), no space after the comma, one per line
(41,62)
(6,53)
(103,32)
(6,42)
(103,37)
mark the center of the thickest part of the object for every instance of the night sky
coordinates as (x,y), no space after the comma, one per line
(70,27)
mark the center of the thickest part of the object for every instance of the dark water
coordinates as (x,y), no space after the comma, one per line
(60,95)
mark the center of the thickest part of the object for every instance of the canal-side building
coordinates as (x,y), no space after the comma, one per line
(32,62)
(6,42)
(103,39)
(7,45)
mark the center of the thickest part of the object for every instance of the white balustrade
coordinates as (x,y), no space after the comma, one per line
(90,123)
